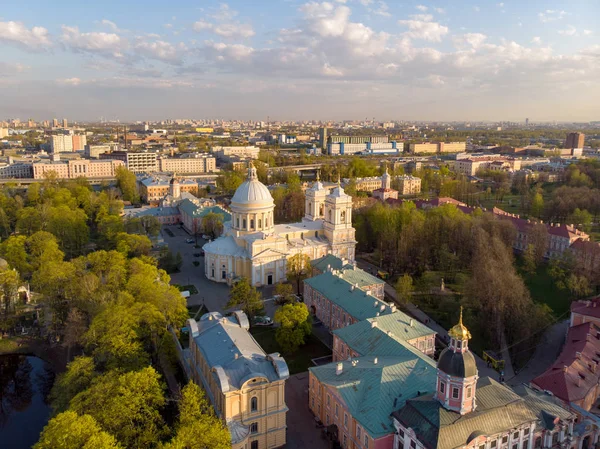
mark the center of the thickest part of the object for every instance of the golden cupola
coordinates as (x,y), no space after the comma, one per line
(460,331)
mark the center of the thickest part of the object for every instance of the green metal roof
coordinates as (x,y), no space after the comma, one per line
(193,210)
(499,409)
(328,261)
(387,338)
(372,391)
(353,300)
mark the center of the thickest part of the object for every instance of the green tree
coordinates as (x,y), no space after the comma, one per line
(285,292)
(294,327)
(581,218)
(151,225)
(78,377)
(247,297)
(126,406)
(14,252)
(229,181)
(298,269)
(404,288)
(529,259)
(133,245)
(197,426)
(71,431)
(127,184)
(212,224)
(537,205)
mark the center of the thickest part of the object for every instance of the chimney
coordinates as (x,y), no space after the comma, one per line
(352,288)
(373,324)
(375,304)
(236,355)
(339,368)
(412,322)
(375,361)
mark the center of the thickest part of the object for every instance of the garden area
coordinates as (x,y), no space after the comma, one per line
(300,360)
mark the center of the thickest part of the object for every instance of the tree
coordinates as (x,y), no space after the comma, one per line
(529,259)
(197,426)
(71,431)
(151,225)
(247,297)
(133,245)
(126,406)
(298,269)
(212,224)
(404,288)
(537,205)
(537,236)
(294,326)
(285,292)
(581,218)
(127,183)
(78,377)
(75,327)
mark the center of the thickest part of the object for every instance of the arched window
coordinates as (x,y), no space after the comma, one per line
(237,224)
(321,210)
(254,404)
(252,223)
(330,214)
(343,217)
(244,223)
(259,223)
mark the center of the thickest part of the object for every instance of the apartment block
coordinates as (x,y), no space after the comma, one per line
(18,170)
(61,143)
(408,185)
(77,168)
(187,165)
(142,162)
(227,153)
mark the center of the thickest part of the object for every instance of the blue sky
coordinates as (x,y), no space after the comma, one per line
(341,59)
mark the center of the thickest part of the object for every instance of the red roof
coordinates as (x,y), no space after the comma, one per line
(589,307)
(575,373)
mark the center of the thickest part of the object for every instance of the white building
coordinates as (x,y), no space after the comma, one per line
(254,247)
(227,153)
(61,143)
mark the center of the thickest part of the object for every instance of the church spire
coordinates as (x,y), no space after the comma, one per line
(252,176)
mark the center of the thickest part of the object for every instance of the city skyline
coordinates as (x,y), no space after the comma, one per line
(294,60)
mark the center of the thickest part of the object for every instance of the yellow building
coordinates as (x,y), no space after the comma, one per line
(409,185)
(204,130)
(245,385)
(256,248)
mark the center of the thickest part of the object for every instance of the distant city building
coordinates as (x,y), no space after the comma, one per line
(187,165)
(205,130)
(471,165)
(385,191)
(333,138)
(342,148)
(437,147)
(323,138)
(245,385)
(575,140)
(94,151)
(143,162)
(77,168)
(55,123)
(17,170)
(61,143)
(228,153)
(79,142)
(408,185)
(154,188)
(3,132)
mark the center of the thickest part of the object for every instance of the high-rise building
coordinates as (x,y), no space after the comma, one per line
(79,142)
(526,122)
(65,123)
(55,122)
(323,137)
(575,140)
(61,143)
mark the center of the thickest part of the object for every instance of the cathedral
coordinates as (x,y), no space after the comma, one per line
(253,246)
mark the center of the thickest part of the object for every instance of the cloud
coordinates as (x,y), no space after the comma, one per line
(421,27)
(469,40)
(536,40)
(224,13)
(34,39)
(106,44)
(223,24)
(500,5)
(422,8)
(69,81)
(112,25)
(440,10)
(382,9)
(551,15)
(476,8)
(587,32)
(129,82)
(161,51)
(11,68)
(569,31)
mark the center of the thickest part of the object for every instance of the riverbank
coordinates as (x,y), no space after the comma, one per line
(56,355)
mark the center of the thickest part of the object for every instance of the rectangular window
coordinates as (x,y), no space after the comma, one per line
(442,387)
(554,438)
(515,446)
(482,446)
(526,431)
(413,444)
(493,444)
(366,441)
(515,435)
(469,391)
(328,399)
(454,393)
(401,433)
(345,440)
(505,439)
(525,444)
(358,430)
(313,402)
(254,427)
(346,420)
(336,410)
(327,419)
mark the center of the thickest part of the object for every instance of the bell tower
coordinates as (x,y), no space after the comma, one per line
(457,372)
(338,223)
(314,206)
(386,180)
(174,187)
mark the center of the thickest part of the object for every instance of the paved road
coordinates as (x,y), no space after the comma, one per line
(425,319)
(302,431)
(545,354)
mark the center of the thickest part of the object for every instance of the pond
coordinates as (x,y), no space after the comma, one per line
(24,386)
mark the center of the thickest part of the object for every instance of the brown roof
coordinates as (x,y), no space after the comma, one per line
(575,372)
(589,307)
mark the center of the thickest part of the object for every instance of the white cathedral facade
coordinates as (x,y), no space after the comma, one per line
(253,246)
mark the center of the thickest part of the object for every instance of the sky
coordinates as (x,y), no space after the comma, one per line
(301,60)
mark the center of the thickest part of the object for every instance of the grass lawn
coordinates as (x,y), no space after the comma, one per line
(9,345)
(543,289)
(297,362)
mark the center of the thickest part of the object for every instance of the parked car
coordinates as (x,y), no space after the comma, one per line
(281,300)
(189,240)
(263,321)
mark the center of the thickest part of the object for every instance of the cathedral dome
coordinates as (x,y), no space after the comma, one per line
(457,364)
(252,192)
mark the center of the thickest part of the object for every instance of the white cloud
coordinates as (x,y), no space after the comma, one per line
(472,40)
(161,51)
(569,31)
(365,2)
(11,68)
(382,9)
(112,25)
(168,25)
(234,30)
(551,15)
(35,39)
(588,32)
(476,8)
(422,8)
(500,5)
(108,44)
(224,13)
(440,10)
(224,25)
(421,27)
(329,70)
(129,82)
(69,81)
(536,40)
